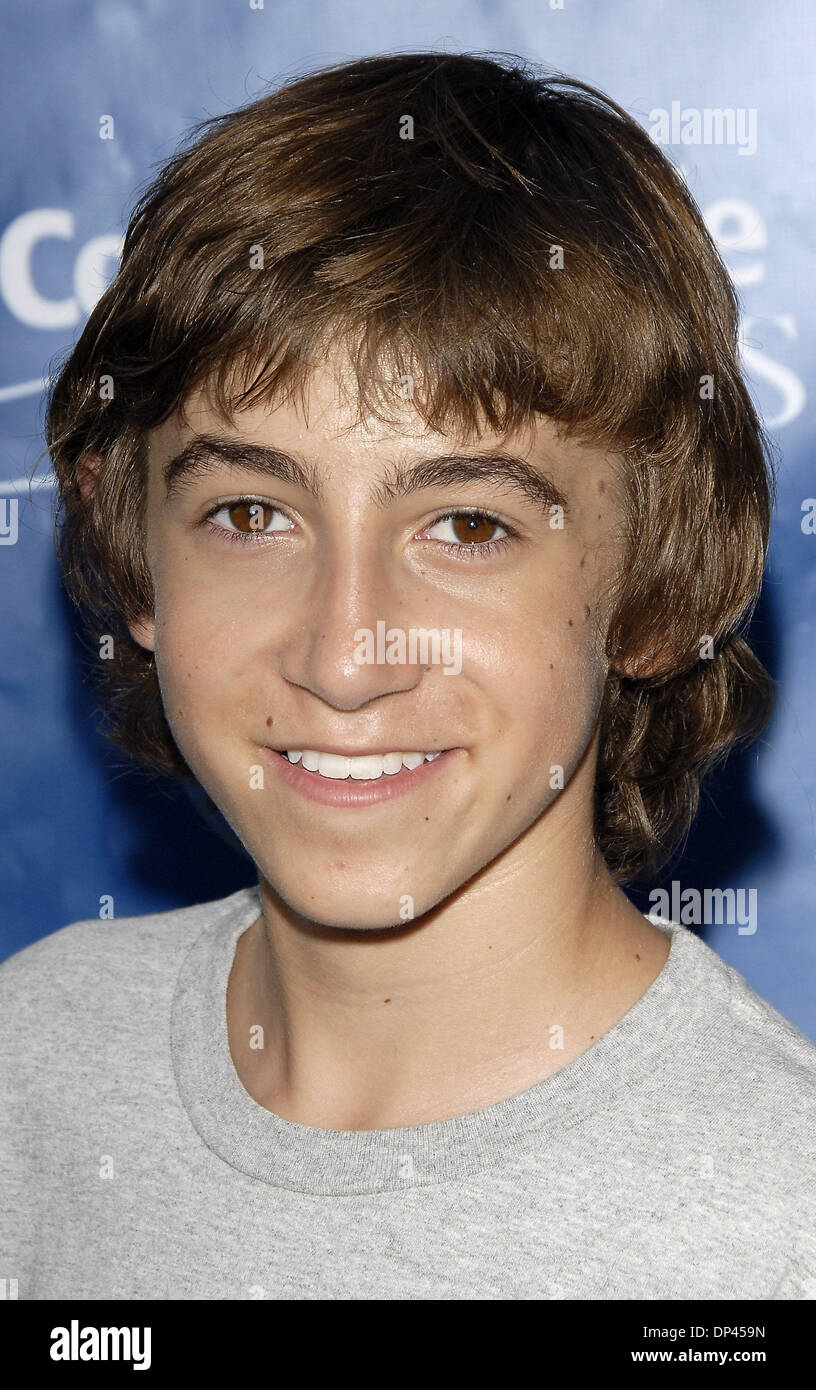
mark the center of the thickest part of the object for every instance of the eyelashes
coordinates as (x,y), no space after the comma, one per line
(257,507)
(472,548)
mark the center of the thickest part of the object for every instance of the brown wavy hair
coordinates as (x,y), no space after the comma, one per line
(411,206)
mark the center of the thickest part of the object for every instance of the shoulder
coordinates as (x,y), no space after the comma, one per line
(67,988)
(743,1082)
(742,1032)
(720,1129)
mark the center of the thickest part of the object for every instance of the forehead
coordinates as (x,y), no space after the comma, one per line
(325,431)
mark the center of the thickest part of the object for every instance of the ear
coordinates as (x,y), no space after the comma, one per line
(143,631)
(633,667)
(638,666)
(88,469)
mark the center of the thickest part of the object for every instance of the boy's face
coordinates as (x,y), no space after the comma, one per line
(255,644)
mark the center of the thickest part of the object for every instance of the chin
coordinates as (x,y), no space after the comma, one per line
(353,894)
(348,912)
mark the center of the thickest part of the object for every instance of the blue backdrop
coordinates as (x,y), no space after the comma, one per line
(728,89)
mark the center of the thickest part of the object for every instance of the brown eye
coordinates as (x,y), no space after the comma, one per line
(250,516)
(247,519)
(473,528)
(473,533)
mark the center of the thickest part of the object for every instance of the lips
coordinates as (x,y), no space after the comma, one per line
(348,791)
(359,767)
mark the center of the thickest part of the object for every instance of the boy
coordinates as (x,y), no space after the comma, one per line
(421,355)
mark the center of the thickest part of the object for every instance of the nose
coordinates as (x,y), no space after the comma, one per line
(339,623)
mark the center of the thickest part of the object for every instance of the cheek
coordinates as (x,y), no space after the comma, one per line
(202,646)
(548,689)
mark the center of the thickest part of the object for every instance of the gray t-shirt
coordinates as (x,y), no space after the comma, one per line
(675,1158)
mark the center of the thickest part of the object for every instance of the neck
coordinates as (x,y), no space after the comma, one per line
(491,991)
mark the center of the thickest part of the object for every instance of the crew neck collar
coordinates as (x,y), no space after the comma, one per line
(304,1158)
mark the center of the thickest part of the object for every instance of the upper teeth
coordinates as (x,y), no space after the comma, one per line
(362,769)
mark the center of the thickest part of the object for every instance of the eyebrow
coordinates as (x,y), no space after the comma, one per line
(207,453)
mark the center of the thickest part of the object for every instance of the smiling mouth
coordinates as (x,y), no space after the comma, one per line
(369,767)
